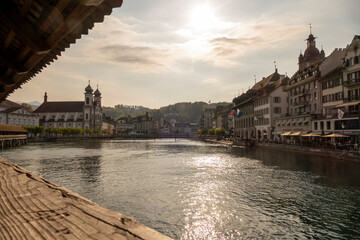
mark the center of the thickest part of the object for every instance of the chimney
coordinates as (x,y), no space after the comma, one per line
(45,97)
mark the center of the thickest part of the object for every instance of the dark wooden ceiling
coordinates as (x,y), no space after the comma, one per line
(33,34)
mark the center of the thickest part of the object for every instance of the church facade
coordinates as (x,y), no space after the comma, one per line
(85,114)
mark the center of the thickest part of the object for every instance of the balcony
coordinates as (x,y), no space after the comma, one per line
(352,82)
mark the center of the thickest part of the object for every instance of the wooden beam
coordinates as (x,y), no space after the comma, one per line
(76,17)
(54,14)
(9,38)
(25,8)
(24,31)
(8,60)
(7,80)
(89,3)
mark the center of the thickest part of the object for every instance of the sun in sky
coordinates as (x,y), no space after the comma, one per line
(202,17)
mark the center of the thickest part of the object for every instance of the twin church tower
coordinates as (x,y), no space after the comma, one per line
(85,114)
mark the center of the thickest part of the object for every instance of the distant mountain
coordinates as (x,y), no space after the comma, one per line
(33,104)
(180,112)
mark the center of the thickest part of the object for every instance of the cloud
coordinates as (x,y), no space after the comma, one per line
(212,81)
(141,58)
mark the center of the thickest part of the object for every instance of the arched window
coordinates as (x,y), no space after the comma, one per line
(87,100)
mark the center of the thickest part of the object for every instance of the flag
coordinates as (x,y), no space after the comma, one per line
(340,114)
(238,113)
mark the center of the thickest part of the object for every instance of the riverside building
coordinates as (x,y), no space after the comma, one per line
(244,127)
(269,104)
(303,91)
(349,124)
(331,93)
(16,114)
(85,114)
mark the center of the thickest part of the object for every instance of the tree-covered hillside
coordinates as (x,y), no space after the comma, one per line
(181,112)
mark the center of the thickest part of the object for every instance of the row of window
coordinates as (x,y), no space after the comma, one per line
(262,111)
(71,125)
(303,88)
(332,83)
(332,97)
(352,61)
(245,122)
(293,123)
(266,101)
(304,76)
(261,102)
(353,94)
(353,77)
(308,108)
(263,121)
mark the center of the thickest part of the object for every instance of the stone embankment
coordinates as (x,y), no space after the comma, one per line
(33,208)
(340,154)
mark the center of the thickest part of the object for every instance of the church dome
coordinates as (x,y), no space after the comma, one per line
(311,53)
(97,92)
(88,89)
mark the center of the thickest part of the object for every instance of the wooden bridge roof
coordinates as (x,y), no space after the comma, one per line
(33,33)
(11,128)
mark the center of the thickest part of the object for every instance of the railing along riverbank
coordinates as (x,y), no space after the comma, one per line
(32,207)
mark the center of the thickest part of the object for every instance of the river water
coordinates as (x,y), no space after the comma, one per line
(193,190)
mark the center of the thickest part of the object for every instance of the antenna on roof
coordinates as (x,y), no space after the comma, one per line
(310,28)
(255,78)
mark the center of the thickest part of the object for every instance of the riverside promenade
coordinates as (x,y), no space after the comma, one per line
(339,154)
(33,208)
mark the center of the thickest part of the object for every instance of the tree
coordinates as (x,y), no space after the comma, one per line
(211,131)
(219,131)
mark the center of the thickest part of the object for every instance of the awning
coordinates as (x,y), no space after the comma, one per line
(296,134)
(348,104)
(286,134)
(311,135)
(335,135)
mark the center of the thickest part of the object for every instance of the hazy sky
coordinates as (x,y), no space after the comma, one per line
(159,52)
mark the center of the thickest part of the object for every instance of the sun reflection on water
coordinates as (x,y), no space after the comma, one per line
(205,213)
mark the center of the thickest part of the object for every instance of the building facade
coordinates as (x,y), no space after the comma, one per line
(270,102)
(85,114)
(303,91)
(349,123)
(244,127)
(16,114)
(332,92)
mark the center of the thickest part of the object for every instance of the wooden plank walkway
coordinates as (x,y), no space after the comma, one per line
(34,208)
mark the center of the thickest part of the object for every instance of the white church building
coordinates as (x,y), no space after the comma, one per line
(85,114)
